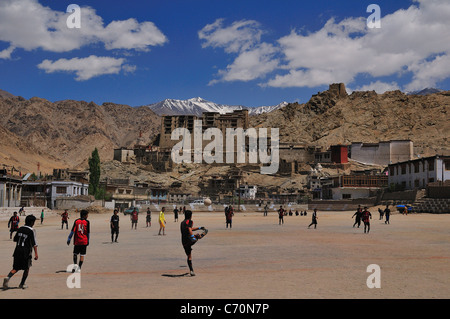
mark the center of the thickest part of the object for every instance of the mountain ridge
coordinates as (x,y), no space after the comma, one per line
(64,133)
(425,91)
(67,131)
(197,106)
(365,116)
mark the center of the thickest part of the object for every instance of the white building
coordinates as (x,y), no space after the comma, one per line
(320,183)
(382,153)
(68,189)
(55,189)
(10,190)
(339,193)
(419,172)
(179,197)
(359,186)
(247,191)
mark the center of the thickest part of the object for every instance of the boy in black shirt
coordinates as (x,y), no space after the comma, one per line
(114,225)
(188,239)
(281,215)
(25,239)
(314,219)
(358,215)
(387,213)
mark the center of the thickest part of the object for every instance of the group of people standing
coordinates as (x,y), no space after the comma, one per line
(363,215)
(385,213)
(134,217)
(282,212)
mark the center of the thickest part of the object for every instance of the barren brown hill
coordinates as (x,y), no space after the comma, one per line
(65,133)
(5,95)
(331,117)
(15,153)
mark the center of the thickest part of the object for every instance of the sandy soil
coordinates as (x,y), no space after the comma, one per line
(257,259)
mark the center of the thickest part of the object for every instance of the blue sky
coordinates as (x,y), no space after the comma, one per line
(250,53)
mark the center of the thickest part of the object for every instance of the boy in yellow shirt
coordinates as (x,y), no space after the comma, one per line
(162,221)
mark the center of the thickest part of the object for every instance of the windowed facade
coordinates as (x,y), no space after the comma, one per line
(61,190)
(419,172)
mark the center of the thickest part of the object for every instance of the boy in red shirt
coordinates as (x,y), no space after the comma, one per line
(366,217)
(134,218)
(65,219)
(80,233)
(229,216)
(13,223)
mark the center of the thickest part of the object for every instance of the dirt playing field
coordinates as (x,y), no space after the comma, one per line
(256,259)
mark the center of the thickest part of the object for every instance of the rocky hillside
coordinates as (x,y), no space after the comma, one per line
(64,133)
(333,117)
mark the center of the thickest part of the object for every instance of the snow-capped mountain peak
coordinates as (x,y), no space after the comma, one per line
(197,100)
(197,106)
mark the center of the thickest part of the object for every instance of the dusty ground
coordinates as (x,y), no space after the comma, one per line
(257,259)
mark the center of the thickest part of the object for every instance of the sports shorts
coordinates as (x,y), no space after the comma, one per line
(22,262)
(80,249)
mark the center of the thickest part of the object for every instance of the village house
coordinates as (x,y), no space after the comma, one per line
(359,186)
(46,193)
(418,173)
(320,183)
(247,191)
(125,193)
(63,184)
(10,189)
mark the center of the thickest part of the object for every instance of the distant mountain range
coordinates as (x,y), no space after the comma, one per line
(425,91)
(196,106)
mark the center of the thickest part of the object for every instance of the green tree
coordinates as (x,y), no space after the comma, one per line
(94,173)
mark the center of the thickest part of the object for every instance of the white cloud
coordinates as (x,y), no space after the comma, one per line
(254,59)
(238,37)
(6,53)
(29,25)
(378,86)
(127,68)
(428,73)
(250,64)
(310,78)
(87,68)
(411,43)
(130,34)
